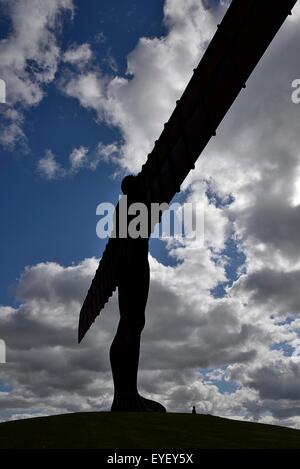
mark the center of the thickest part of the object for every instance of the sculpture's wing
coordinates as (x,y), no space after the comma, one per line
(240,41)
(101,289)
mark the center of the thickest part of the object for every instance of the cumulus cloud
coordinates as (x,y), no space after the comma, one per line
(158,70)
(254,163)
(47,372)
(49,167)
(78,158)
(251,336)
(29,58)
(11,128)
(78,55)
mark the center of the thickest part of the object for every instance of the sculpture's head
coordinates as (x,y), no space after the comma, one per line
(128,184)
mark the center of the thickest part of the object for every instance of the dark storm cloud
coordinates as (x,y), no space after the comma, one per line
(278,381)
(277,288)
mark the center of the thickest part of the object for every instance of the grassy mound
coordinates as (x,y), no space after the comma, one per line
(143,430)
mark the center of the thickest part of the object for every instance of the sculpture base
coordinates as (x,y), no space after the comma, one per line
(133,402)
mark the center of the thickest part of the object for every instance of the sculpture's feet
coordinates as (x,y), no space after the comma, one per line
(153,406)
(133,402)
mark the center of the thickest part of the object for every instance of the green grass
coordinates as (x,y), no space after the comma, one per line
(143,430)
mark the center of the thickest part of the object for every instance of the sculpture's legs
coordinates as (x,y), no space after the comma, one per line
(125,349)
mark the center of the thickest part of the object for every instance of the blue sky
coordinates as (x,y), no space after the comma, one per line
(56,220)
(89,86)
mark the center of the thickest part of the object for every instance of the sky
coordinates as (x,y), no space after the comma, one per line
(89,86)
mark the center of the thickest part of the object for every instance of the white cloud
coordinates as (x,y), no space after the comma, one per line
(29,57)
(49,167)
(107,153)
(47,372)
(81,157)
(78,158)
(158,70)
(87,88)
(78,55)
(255,158)
(11,128)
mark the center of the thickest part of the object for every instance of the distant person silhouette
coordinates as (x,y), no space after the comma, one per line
(133,288)
(194,410)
